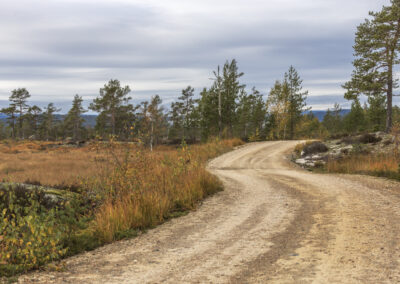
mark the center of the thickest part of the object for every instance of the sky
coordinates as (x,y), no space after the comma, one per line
(59,48)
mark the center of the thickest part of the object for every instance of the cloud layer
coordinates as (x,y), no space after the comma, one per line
(59,48)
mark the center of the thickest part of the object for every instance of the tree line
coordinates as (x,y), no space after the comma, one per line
(227,108)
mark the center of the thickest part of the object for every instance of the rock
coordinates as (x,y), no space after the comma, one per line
(48,197)
(369,138)
(346,149)
(69,141)
(380,134)
(315,147)
(301,162)
(80,143)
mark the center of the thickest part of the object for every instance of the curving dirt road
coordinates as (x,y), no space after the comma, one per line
(274,223)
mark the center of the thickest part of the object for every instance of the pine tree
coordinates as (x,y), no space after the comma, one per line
(355,120)
(182,114)
(376,112)
(33,116)
(251,114)
(231,88)
(208,109)
(296,99)
(333,120)
(49,121)
(377,45)
(11,117)
(152,120)
(111,102)
(18,98)
(175,116)
(73,122)
(277,105)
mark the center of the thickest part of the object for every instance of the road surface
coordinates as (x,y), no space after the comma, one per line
(273,223)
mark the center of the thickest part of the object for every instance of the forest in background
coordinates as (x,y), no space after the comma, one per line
(225,110)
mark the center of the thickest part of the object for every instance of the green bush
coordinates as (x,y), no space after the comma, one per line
(30,234)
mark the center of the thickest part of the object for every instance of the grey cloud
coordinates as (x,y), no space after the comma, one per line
(58,48)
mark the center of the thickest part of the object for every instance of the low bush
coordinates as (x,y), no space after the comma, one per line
(369,138)
(314,148)
(362,139)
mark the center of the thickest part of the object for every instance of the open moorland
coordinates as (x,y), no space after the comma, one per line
(58,200)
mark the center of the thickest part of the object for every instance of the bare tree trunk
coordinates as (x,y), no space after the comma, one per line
(389,100)
(219,113)
(113,122)
(151,136)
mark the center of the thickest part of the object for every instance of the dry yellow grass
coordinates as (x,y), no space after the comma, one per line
(133,187)
(54,166)
(154,185)
(385,165)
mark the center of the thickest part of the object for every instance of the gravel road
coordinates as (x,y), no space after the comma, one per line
(273,223)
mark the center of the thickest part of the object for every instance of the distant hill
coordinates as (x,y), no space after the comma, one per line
(321,113)
(90,119)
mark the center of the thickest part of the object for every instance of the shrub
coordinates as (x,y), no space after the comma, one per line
(153,186)
(369,138)
(29,233)
(363,139)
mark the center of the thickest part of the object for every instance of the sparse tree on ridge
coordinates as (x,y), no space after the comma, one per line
(18,98)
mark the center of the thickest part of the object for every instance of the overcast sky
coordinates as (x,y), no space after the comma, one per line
(57,49)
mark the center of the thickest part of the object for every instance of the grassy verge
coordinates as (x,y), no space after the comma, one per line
(134,189)
(369,164)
